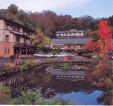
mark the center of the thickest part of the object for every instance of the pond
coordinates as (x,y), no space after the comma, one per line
(56,81)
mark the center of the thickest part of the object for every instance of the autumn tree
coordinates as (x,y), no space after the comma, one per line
(45,21)
(102,70)
(39,40)
(49,22)
(105,37)
(104,41)
(76,23)
(63,22)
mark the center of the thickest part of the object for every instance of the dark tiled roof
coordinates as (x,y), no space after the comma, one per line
(21,45)
(16,23)
(78,40)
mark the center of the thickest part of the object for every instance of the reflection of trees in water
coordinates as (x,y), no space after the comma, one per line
(70,65)
(40,79)
(101,76)
(4,94)
(56,65)
(35,79)
(65,86)
(105,98)
(16,83)
(87,91)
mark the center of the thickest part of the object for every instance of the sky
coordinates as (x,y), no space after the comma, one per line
(75,8)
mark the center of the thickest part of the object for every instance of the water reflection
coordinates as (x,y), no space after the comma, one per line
(77,91)
(80,98)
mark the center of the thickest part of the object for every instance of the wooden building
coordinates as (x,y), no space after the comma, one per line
(69,34)
(14,38)
(70,44)
(72,40)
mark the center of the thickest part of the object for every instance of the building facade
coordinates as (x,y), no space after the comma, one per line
(69,34)
(72,44)
(14,38)
(72,40)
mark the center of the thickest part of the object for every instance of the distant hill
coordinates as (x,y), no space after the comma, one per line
(49,22)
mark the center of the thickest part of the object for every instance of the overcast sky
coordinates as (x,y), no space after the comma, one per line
(75,8)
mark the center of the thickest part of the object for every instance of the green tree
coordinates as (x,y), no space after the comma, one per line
(19,16)
(12,10)
(66,67)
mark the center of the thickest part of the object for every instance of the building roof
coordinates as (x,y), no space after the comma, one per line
(21,45)
(65,41)
(16,23)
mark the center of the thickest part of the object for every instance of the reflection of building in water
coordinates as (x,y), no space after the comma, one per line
(67,74)
(18,82)
(51,86)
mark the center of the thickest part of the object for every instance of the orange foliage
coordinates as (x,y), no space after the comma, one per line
(105,39)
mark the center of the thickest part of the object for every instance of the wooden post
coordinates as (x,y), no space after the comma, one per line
(20,51)
(26,51)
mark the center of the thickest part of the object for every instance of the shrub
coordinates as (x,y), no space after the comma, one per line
(26,65)
(34,97)
(66,67)
(4,94)
(100,74)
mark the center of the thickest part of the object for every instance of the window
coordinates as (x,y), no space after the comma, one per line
(8,51)
(7,26)
(17,39)
(80,45)
(5,51)
(18,29)
(25,40)
(7,38)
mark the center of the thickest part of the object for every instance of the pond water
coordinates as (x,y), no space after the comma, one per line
(80,98)
(67,87)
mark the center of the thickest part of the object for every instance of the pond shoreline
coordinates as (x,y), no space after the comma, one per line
(13,68)
(31,75)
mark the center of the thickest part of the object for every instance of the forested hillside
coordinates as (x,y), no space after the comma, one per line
(49,22)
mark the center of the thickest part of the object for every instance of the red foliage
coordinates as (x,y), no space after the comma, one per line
(105,34)
(105,38)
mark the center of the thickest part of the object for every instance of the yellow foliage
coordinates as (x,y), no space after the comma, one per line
(40,38)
